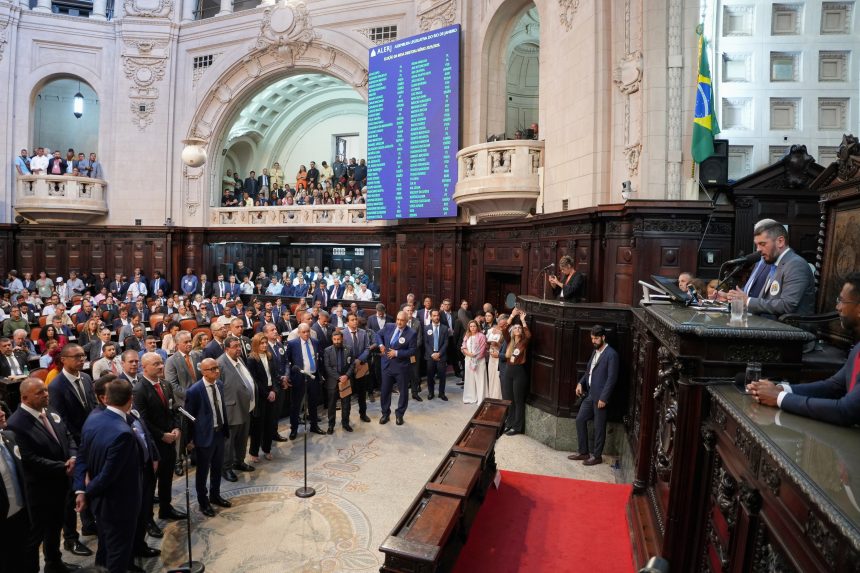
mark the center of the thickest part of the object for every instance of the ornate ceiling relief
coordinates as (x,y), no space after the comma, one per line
(566,11)
(627,77)
(434,14)
(148,8)
(286,28)
(144,63)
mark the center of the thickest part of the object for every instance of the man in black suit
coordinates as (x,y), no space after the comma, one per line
(378,321)
(596,385)
(324,330)
(251,186)
(205,287)
(448,319)
(436,354)
(154,400)
(215,348)
(71,396)
(113,461)
(360,342)
(14,508)
(338,368)
(47,451)
(95,348)
(118,287)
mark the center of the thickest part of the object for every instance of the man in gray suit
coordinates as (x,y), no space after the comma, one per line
(179,372)
(338,367)
(790,285)
(240,397)
(359,343)
(415,374)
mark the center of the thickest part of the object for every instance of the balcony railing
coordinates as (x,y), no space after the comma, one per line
(60,199)
(299,215)
(499,179)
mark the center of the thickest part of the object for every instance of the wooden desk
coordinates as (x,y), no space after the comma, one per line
(422,540)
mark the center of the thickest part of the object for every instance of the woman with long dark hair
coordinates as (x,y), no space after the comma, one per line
(515,382)
(474,350)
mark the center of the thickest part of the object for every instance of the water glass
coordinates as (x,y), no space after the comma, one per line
(737,307)
(753,372)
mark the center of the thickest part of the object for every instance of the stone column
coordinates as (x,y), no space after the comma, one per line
(188,10)
(99,10)
(43,6)
(227,7)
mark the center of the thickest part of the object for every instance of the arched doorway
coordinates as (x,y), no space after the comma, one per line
(523,76)
(55,124)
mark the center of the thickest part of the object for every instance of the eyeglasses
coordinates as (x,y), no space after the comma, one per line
(840,300)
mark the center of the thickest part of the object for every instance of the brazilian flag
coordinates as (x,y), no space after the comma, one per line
(705,125)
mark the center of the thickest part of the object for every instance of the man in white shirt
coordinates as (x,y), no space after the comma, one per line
(39,162)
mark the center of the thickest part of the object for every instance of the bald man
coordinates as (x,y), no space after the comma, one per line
(398,344)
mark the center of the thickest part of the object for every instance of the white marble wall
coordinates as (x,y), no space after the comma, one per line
(143,57)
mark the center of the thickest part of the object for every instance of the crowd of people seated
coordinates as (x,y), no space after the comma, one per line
(114,354)
(337,184)
(46,163)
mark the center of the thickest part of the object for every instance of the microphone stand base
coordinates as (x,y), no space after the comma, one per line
(305,492)
(193,567)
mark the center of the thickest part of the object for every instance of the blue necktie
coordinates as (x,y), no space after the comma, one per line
(395,337)
(310,356)
(764,275)
(435,338)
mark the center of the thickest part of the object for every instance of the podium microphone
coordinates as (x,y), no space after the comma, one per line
(191,566)
(745,260)
(549,266)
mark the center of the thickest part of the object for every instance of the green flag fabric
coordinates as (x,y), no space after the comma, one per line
(705,125)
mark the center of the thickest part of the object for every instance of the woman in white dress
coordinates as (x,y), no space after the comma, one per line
(475,351)
(494,342)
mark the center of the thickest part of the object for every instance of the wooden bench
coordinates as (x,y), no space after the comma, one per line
(426,538)
(493,413)
(479,441)
(457,476)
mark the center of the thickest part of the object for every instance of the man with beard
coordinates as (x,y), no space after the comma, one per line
(835,400)
(596,385)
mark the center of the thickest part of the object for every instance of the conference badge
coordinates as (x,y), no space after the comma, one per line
(430,332)
(774,288)
(516,352)
(281,350)
(402,340)
(56,417)
(17,451)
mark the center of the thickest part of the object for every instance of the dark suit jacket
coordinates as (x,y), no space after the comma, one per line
(571,290)
(221,289)
(202,432)
(405,350)
(428,341)
(64,400)
(335,293)
(93,349)
(118,289)
(205,289)
(8,439)
(144,314)
(330,369)
(159,284)
(373,322)
(828,400)
(251,187)
(323,335)
(255,367)
(114,460)
(63,166)
(264,181)
(159,417)
(604,376)
(322,296)
(6,369)
(364,339)
(295,357)
(213,350)
(43,457)
(300,290)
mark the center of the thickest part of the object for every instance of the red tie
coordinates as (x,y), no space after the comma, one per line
(855,372)
(160,393)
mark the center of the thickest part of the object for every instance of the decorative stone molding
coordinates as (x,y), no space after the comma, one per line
(632,154)
(436,14)
(566,11)
(628,73)
(192,184)
(323,215)
(60,199)
(675,100)
(198,72)
(286,28)
(144,63)
(141,9)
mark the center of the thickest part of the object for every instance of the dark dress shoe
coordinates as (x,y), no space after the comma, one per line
(384,419)
(399,420)
(365,418)
(578,457)
(220,501)
(417,398)
(317,430)
(511,432)
(135,568)
(147,552)
(443,397)
(431,396)
(75,547)
(279,438)
(593,461)
(460,383)
(330,430)
(293,434)
(347,428)
(229,475)
(171,514)
(60,567)
(243,467)
(153,530)
(207,511)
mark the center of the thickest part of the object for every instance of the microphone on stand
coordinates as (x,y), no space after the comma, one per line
(692,296)
(549,266)
(745,260)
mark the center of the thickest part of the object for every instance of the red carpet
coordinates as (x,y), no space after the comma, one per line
(536,523)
